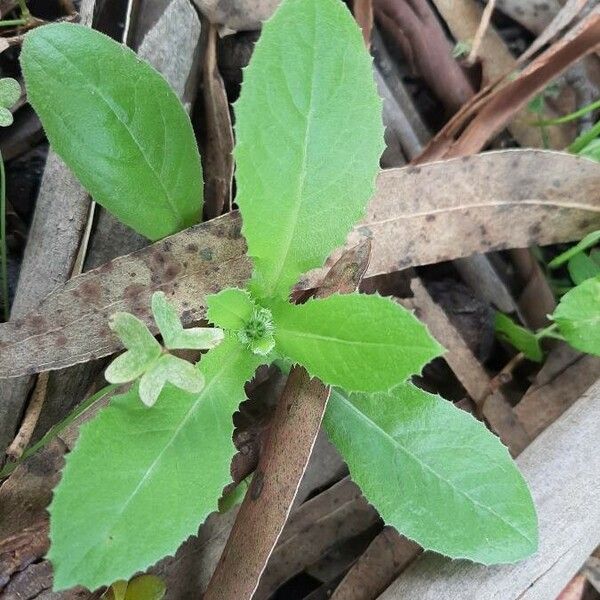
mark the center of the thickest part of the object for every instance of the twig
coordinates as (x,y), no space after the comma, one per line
(34,408)
(480,33)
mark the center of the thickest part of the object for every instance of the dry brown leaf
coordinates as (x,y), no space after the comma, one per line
(418,33)
(237,15)
(566,374)
(419,215)
(330,519)
(387,556)
(363,13)
(493,108)
(561,20)
(217,157)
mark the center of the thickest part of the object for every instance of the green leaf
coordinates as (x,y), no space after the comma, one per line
(10,92)
(235,310)
(435,474)
(578,316)
(591,239)
(522,339)
(143,349)
(142,587)
(140,481)
(175,337)
(231,308)
(117,124)
(359,342)
(169,369)
(309,138)
(582,267)
(591,150)
(6,117)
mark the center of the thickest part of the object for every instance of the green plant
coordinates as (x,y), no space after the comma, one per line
(309,137)
(577,316)
(10,92)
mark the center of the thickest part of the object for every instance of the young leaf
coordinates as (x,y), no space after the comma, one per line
(582,267)
(10,92)
(309,137)
(171,369)
(117,124)
(175,337)
(231,308)
(143,349)
(522,339)
(435,474)
(140,481)
(142,587)
(578,316)
(359,342)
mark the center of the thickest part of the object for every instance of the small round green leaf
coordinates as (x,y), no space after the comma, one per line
(6,117)
(10,92)
(578,316)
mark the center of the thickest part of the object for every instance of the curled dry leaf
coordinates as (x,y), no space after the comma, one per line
(419,215)
(493,108)
(217,155)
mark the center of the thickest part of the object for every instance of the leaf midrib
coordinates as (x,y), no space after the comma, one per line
(291,224)
(396,444)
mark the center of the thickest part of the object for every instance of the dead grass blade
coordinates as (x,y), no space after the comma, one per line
(419,215)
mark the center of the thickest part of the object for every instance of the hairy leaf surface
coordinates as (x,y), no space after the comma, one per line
(309,137)
(359,342)
(578,316)
(435,473)
(117,124)
(142,480)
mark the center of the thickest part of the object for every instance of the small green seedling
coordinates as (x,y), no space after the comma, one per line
(577,316)
(309,138)
(147,359)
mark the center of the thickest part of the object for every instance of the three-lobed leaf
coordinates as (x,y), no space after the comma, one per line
(174,336)
(117,124)
(578,316)
(521,338)
(309,138)
(358,342)
(141,480)
(435,473)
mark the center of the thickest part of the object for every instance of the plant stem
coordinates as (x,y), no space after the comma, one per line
(3,251)
(25,14)
(13,22)
(549,331)
(570,117)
